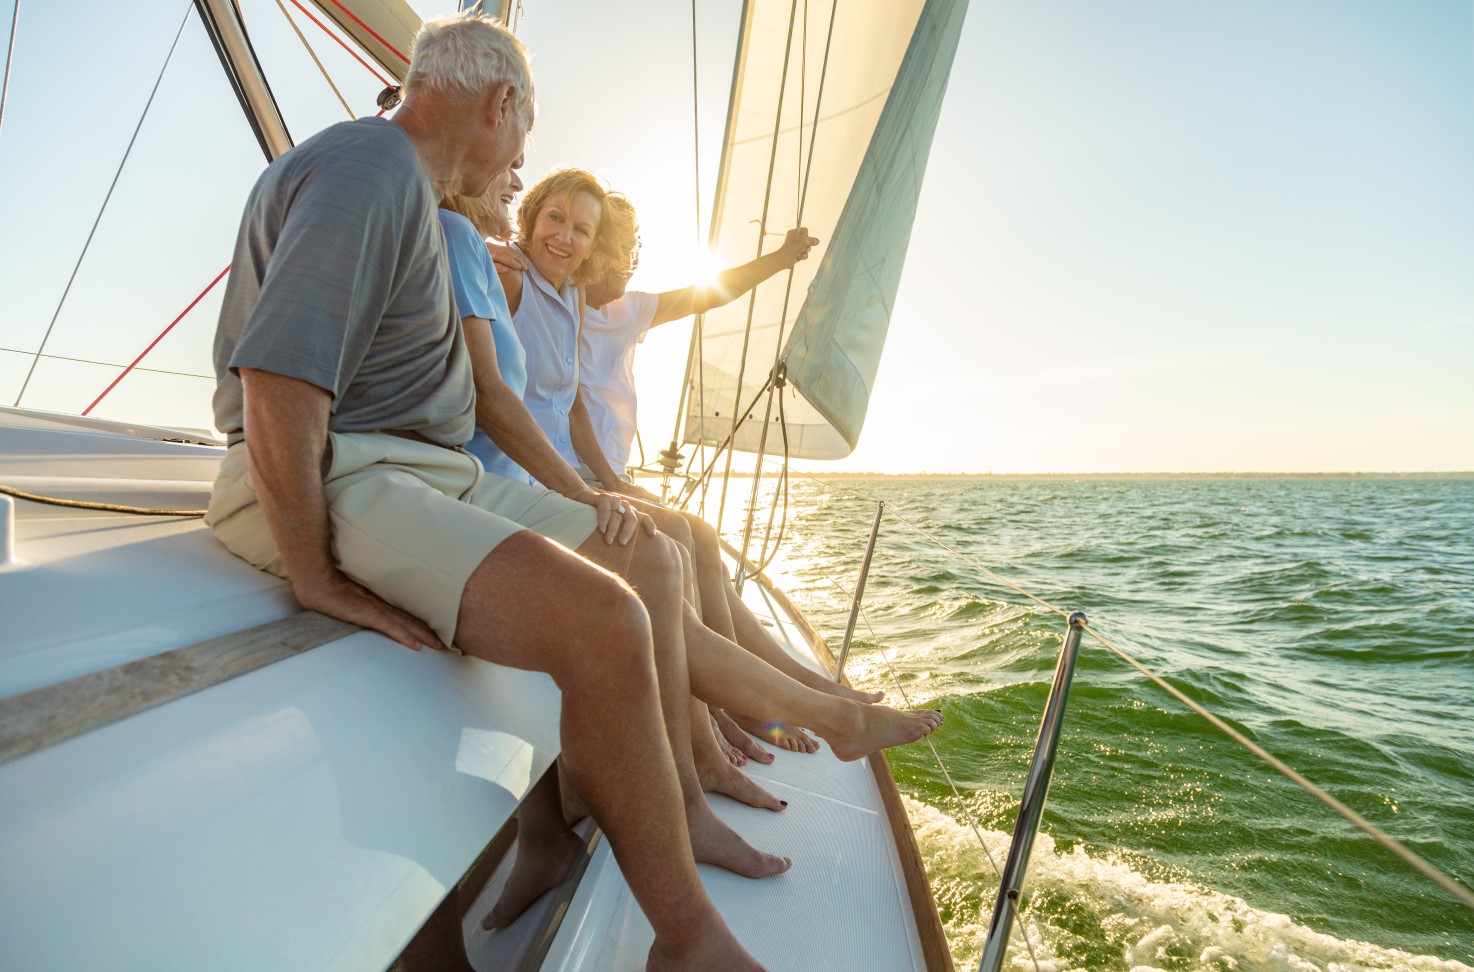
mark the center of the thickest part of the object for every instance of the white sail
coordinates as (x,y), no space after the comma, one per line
(839,142)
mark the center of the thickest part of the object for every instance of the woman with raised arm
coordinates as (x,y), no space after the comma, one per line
(596,411)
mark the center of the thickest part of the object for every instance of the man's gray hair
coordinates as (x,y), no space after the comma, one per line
(464,54)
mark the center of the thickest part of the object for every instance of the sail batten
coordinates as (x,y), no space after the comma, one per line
(847,155)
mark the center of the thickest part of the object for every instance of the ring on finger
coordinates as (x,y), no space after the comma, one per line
(621,509)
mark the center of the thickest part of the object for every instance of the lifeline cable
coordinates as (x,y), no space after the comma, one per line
(109,364)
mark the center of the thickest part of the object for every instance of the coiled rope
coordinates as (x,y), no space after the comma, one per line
(89,505)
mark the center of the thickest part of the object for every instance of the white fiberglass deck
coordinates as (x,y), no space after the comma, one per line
(842,906)
(312,814)
(307,815)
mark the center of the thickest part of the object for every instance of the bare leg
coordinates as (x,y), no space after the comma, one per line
(755,638)
(733,735)
(531,605)
(716,772)
(546,851)
(724,674)
(653,565)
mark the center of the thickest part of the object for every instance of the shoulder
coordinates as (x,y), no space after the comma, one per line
(460,233)
(369,164)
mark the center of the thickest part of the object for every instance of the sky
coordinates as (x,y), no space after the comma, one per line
(1153,237)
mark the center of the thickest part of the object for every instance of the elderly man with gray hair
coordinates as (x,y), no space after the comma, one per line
(346,393)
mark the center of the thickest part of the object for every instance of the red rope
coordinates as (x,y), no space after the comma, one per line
(156,340)
(366,27)
(343,45)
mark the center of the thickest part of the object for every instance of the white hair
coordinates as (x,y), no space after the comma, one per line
(465,54)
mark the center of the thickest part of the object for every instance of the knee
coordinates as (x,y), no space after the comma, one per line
(655,560)
(703,534)
(622,625)
(678,530)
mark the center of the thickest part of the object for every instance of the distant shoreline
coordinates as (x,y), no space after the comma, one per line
(1468,474)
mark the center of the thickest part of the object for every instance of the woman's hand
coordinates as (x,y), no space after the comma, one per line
(618,520)
(507,260)
(796,246)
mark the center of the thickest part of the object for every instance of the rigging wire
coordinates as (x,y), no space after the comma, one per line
(9,58)
(110,364)
(779,383)
(313,54)
(189,9)
(155,342)
(695,355)
(343,44)
(761,240)
(371,32)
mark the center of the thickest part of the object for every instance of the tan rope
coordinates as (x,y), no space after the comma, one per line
(313,54)
(88,505)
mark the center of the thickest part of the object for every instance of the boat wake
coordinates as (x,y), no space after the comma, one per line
(1093,911)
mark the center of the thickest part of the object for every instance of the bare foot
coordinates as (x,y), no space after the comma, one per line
(791,738)
(733,734)
(713,842)
(854,694)
(734,755)
(536,871)
(871,727)
(729,781)
(717,950)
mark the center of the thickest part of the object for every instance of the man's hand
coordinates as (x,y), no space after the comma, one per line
(796,246)
(507,260)
(339,597)
(614,524)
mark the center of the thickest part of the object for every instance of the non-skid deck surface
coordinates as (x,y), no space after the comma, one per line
(843,905)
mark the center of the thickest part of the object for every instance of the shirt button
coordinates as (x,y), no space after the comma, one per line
(567,360)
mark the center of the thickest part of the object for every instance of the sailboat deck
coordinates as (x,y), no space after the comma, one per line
(843,904)
(313,813)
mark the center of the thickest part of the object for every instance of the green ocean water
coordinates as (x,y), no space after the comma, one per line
(1330,619)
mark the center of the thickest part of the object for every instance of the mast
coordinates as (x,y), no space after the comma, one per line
(222,20)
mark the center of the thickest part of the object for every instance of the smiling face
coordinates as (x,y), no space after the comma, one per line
(503,192)
(563,235)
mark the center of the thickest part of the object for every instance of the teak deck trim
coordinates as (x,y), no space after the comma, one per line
(43,717)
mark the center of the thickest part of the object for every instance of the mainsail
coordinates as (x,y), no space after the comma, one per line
(830,125)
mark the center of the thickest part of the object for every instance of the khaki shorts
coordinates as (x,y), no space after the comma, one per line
(410,521)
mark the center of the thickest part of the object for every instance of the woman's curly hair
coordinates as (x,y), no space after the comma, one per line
(616,241)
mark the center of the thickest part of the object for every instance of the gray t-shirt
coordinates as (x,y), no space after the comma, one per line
(340,279)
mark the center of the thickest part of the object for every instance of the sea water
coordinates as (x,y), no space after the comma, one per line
(1330,619)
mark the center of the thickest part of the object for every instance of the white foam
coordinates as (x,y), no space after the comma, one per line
(1153,923)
